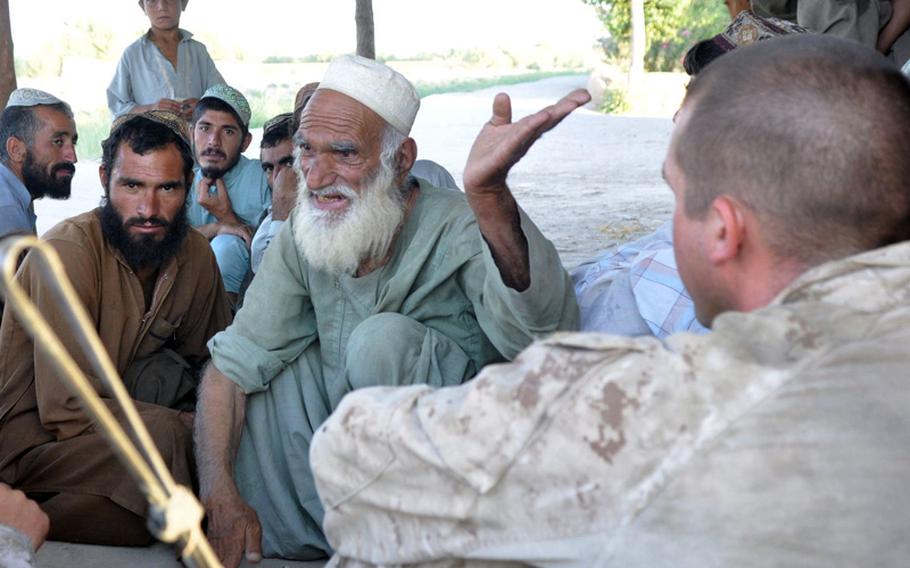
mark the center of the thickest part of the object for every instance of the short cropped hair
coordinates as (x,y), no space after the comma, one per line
(143,136)
(811,133)
(211,103)
(22,122)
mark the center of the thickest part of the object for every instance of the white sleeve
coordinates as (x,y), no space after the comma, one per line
(15,549)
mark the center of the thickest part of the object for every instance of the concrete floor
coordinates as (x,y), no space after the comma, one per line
(63,554)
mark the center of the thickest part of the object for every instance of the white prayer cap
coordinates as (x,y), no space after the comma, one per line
(32,97)
(376,86)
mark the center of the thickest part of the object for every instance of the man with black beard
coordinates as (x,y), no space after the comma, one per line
(37,156)
(153,290)
(377,278)
(230,193)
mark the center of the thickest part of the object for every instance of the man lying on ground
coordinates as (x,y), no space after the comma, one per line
(374,279)
(779,438)
(634,289)
(153,291)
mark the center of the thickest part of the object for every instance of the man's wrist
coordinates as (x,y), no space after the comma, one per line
(224,490)
(281,213)
(229,218)
(493,204)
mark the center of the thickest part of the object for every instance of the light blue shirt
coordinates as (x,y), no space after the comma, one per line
(248,189)
(16,212)
(635,289)
(264,236)
(145,76)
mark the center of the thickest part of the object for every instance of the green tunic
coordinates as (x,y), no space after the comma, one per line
(435,314)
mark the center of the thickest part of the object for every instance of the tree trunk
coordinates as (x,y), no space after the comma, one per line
(639,43)
(7,65)
(366,41)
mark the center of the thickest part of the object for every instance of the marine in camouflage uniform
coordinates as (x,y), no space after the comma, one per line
(593,449)
(777,439)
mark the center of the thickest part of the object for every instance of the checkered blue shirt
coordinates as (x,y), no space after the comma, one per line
(635,289)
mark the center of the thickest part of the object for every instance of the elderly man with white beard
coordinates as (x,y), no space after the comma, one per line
(377,279)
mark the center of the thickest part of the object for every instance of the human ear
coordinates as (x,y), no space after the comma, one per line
(246,142)
(103,176)
(726,230)
(16,149)
(406,156)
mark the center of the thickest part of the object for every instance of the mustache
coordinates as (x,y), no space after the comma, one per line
(213,152)
(147,221)
(337,189)
(64,167)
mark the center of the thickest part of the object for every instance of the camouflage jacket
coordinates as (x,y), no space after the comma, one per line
(781,438)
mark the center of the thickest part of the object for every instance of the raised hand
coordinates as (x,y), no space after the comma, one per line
(502,143)
(218,203)
(187,106)
(284,193)
(499,146)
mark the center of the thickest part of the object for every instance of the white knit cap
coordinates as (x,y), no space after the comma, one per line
(378,87)
(31,97)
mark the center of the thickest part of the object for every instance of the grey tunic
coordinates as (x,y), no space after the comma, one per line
(145,76)
(436,313)
(17,215)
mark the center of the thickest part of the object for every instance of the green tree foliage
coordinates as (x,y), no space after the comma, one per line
(672,27)
(83,39)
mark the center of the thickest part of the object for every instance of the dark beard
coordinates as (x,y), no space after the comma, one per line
(213,173)
(40,184)
(218,173)
(143,251)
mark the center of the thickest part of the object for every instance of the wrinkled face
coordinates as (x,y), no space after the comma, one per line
(49,163)
(689,235)
(145,213)
(218,141)
(162,14)
(278,165)
(339,143)
(350,208)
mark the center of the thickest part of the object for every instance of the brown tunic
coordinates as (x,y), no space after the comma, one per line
(47,443)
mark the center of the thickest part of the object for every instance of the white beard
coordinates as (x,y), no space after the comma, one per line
(339,243)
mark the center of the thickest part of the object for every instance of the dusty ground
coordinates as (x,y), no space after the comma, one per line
(592,182)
